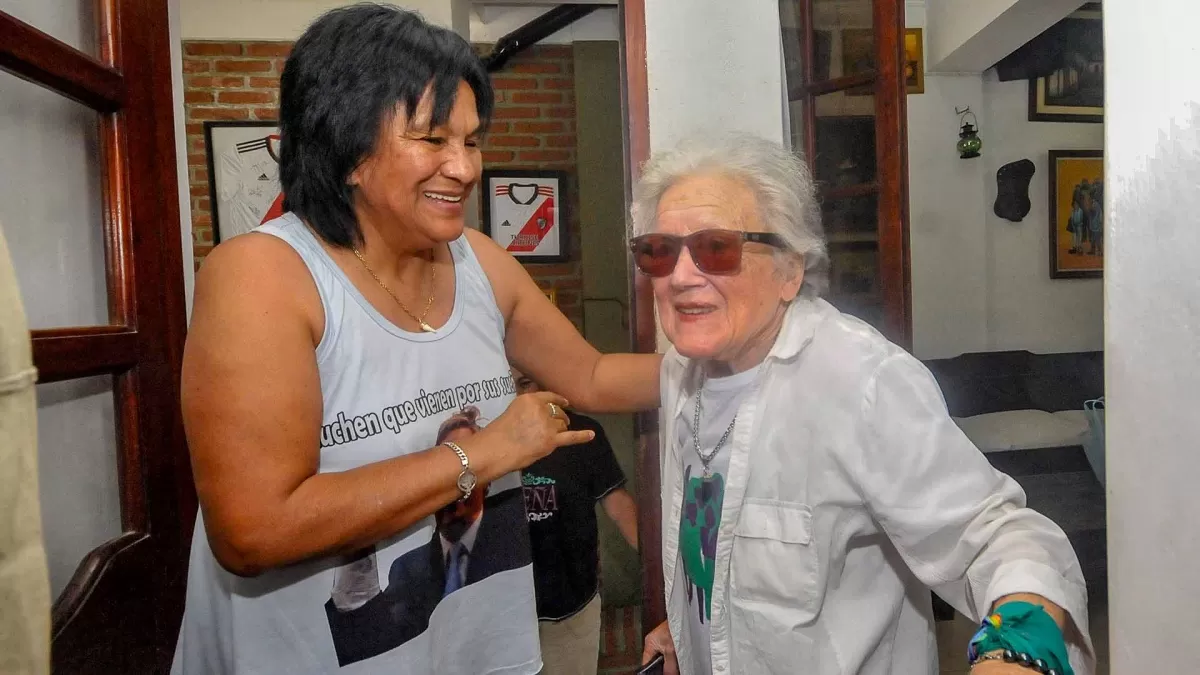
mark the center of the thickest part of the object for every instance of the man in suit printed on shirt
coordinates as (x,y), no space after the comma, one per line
(473,539)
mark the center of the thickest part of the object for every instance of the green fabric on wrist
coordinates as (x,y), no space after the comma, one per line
(1024,628)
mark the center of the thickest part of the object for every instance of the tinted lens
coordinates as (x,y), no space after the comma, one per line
(655,254)
(716,251)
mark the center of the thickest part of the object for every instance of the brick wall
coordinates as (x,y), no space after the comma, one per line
(224,81)
(533,128)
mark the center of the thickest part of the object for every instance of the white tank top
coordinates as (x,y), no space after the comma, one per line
(458,602)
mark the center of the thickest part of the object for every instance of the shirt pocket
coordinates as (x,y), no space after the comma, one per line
(774,563)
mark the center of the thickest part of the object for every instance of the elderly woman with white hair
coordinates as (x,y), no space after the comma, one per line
(813,484)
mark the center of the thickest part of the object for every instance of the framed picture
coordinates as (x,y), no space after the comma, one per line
(1074,92)
(243,176)
(914,61)
(1076,214)
(525,212)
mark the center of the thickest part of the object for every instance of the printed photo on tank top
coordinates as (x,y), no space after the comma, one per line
(380,601)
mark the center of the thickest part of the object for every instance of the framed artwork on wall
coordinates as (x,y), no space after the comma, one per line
(1074,92)
(1076,214)
(525,212)
(243,176)
(914,61)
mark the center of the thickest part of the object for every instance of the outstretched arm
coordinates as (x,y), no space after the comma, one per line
(544,344)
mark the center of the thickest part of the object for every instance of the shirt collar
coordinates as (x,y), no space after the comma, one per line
(799,326)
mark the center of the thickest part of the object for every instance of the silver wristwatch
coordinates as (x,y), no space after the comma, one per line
(466,479)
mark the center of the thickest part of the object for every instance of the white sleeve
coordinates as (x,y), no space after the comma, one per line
(960,525)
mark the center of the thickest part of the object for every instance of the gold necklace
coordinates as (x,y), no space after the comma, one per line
(428,303)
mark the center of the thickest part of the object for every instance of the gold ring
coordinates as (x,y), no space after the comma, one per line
(553,411)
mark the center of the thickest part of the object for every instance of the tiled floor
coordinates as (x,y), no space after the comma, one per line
(621,643)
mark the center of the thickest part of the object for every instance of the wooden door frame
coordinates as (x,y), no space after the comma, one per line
(143,570)
(643,328)
(891,162)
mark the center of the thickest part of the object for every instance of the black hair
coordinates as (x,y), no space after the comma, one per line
(343,81)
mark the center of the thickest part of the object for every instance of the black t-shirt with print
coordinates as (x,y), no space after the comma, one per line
(561,491)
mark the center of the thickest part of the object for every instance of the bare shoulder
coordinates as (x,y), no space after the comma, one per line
(507,276)
(259,275)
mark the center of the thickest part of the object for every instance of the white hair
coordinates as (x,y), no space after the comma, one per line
(783,188)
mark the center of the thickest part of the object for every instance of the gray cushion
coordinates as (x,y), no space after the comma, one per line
(1024,429)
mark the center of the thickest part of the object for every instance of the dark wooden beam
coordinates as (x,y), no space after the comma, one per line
(643,329)
(836,84)
(69,353)
(891,160)
(35,56)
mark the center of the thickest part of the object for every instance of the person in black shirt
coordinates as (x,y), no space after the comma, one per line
(561,491)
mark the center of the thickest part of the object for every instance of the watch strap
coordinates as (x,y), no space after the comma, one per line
(466,466)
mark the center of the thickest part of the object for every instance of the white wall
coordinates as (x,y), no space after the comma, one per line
(287,19)
(954,22)
(185,197)
(1026,308)
(1152,195)
(979,282)
(713,64)
(489,24)
(276,19)
(974,35)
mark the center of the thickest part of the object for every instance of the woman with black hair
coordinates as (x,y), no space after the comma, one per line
(326,349)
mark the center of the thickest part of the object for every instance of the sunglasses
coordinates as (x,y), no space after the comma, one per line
(713,251)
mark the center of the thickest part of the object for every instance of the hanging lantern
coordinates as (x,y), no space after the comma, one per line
(969,143)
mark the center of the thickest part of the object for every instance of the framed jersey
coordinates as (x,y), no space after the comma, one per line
(525,212)
(243,172)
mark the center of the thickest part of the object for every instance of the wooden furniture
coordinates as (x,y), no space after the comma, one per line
(845,80)
(120,611)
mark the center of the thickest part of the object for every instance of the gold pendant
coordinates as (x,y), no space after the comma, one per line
(426,327)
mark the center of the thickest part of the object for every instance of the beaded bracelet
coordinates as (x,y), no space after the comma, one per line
(1022,633)
(1021,659)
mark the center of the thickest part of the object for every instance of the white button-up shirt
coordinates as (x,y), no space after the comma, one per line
(850,493)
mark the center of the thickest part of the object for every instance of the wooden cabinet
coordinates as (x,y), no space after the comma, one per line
(844,63)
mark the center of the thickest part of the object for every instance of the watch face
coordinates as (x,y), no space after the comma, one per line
(466,481)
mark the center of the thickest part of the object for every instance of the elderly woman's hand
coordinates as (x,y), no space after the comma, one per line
(659,642)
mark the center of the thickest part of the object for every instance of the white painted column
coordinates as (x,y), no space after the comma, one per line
(1152,282)
(713,65)
(181,154)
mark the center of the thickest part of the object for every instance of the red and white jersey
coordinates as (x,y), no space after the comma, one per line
(250,193)
(527,216)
